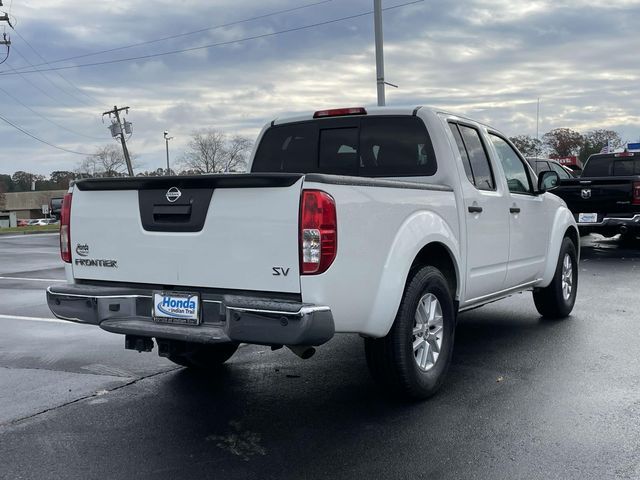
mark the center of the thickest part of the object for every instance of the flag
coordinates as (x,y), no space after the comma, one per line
(606,148)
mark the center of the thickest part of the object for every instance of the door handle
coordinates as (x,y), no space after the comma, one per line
(475,209)
(514,210)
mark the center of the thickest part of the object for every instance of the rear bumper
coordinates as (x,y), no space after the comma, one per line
(613,224)
(225,318)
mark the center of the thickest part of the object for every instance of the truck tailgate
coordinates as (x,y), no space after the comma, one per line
(600,195)
(219,231)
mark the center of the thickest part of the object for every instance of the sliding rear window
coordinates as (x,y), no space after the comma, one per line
(366,146)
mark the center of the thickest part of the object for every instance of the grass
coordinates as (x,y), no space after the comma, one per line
(31,229)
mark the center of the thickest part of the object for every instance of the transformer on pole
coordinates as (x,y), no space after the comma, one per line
(118,131)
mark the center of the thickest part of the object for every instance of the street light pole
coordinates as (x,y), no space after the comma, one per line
(166,141)
(377,22)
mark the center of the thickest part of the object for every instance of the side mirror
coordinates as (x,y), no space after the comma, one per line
(547,180)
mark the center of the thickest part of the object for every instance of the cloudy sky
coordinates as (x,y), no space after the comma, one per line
(488,59)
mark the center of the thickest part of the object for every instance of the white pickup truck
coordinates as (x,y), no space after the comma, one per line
(384,222)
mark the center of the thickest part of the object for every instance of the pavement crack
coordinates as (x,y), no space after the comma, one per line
(85,397)
(88,372)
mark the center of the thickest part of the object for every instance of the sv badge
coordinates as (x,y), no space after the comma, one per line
(280,271)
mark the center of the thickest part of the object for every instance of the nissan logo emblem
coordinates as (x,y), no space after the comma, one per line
(173,194)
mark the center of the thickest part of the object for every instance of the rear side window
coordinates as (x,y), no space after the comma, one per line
(463,152)
(287,149)
(480,167)
(368,146)
(395,146)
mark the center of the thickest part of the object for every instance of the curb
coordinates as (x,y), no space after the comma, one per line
(28,233)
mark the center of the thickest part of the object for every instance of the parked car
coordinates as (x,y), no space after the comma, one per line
(385,222)
(33,221)
(547,164)
(606,198)
(22,222)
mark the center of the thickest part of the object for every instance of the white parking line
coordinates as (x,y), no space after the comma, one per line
(32,319)
(2,237)
(33,279)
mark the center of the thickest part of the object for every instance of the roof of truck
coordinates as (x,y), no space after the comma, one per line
(375,110)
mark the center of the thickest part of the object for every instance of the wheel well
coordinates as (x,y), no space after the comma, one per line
(439,256)
(574,236)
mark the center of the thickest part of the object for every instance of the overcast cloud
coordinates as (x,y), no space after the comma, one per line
(488,59)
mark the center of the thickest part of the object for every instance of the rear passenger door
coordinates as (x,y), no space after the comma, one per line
(529,221)
(486,218)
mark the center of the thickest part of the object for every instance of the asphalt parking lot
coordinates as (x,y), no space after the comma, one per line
(525,397)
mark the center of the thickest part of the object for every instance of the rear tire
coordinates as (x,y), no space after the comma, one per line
(204,357)
(412,360)
(557,299)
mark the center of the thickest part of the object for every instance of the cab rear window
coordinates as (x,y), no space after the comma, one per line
(612,166)
(365,146)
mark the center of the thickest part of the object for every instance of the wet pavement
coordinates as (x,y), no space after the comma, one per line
(525,397)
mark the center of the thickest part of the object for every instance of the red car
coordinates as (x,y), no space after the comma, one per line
(22,222)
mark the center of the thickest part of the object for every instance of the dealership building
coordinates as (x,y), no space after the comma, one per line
(28,204)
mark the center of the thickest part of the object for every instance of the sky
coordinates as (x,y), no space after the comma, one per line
(487,59)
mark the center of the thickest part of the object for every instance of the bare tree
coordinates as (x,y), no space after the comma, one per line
(205,152)
(236,151)
(212,151)
(108,161)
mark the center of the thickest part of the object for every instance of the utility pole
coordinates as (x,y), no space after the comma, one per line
(377,23)
(166,141)
(537,126)
(118,130)
(6,40)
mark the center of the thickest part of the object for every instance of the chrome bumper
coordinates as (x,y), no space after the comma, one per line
(615,222)
(225,318)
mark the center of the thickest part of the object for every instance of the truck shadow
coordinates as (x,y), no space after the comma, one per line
(597,247)
(284,415)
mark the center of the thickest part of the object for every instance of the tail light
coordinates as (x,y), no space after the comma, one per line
(65,229)
(636,193)
(318,232)
(339,112)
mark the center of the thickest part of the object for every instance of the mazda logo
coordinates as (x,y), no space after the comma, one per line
(173,194)
(586,193)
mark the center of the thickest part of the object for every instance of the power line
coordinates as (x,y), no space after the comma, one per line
(51,82)
(17,100)
(185,34)
(34,85)
(219,44)
(49,64)
(17,127)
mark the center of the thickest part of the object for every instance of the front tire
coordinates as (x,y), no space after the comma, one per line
(557,299)
(204,357)
(413,359)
